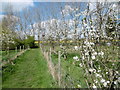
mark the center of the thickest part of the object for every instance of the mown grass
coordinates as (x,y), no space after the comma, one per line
(30,71)
(5,56)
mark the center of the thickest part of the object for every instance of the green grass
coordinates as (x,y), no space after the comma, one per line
(76,72)
(30,71)
(68,69)
(5,56)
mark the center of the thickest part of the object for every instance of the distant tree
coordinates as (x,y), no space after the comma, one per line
(8,28)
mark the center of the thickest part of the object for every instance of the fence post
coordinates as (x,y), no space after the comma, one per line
(50,54)
(59,66)
(20,48)
(28,47)
(8,51)
(23,47)
(16,49)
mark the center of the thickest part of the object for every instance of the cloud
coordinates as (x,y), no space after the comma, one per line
(18,5)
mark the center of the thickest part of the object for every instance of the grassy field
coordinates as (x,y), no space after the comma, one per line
(30,71)
(71,74)
(5,56)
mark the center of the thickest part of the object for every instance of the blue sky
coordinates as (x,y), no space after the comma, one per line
(46,7)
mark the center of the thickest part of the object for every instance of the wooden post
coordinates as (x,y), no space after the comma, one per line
(59,72)
(28,47)
(16,49)
(20,48)
(50,54)
(8,50)
(23,47)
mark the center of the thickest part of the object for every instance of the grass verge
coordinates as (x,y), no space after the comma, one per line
(30,71)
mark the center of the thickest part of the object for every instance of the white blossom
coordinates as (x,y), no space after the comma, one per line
(102,80)
(94,86)
(106,72)
(99,70)
(76,47)
(101,53)
(95,53)
(83,57)
(91,70)
(86,53)
(108,81)
(117,72)
(79,86)
(113,64)
(98,75)
(115,82)
(80,65)
(105,84)
(76,58)
(95,81)
(93,57)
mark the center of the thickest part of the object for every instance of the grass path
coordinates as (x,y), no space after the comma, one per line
(30,71)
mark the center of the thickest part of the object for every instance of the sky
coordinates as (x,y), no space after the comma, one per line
(46,7)
(19,5)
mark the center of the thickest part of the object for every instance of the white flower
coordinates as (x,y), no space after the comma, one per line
(80,65)
(96,81)
(102,80)
(108,81)
(94,70)
(106,72)
(101,53)
(91,43)
(95,53)
(91,70)
(108,44)
(110,27)
(117,72)
(93,57)
(83,57)
(76,58)
(79,86)
(105,84)
(98,75)
(94,86)
(115,82)
(99,70)
(76,47)
(86,53)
